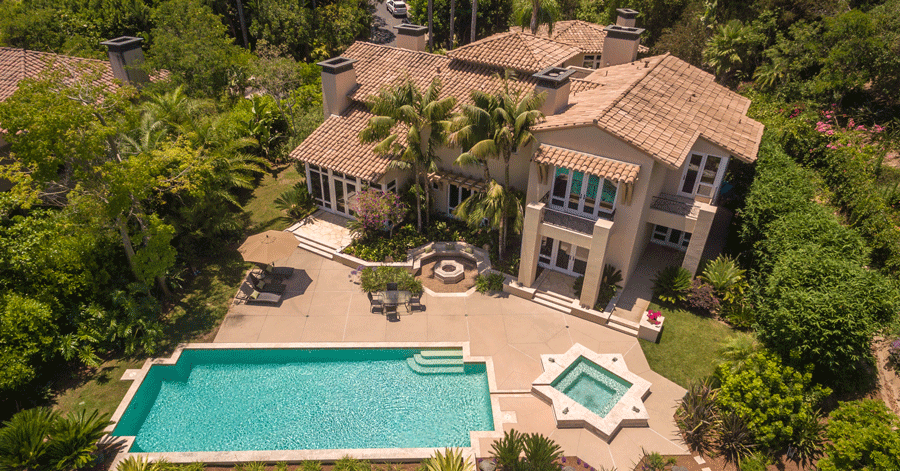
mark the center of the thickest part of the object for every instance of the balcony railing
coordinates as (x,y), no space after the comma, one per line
(680,205)
(566,218)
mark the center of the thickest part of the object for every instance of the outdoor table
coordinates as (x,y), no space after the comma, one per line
(395,298)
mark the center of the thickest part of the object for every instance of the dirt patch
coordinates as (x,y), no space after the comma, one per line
(429,281)
(888,377)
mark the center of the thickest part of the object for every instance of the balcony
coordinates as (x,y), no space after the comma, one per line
(568,219)
(674,204)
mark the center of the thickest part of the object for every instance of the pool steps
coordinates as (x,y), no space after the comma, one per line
(437,362)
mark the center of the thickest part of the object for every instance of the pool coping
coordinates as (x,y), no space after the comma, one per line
(629,411)
(271,456)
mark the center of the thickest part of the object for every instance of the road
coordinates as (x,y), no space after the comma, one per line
(383,31)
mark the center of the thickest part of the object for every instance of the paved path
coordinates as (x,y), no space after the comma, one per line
(323,304)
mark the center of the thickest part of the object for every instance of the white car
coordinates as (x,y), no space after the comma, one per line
(396,7)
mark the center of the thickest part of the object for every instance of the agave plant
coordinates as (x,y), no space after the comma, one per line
(75,440)
(735,438)
(541,452)
(506,450)
(23,440)
(451,460)
(697,416)
(672,284)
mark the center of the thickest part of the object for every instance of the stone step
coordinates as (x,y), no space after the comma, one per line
(623,329)
(558,296)
(425,370)
(454,353)
(438,361)
(552,303)
(316,250)
(623,322)
(314,243)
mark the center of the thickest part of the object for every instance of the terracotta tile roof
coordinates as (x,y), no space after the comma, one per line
(18,64)
(588,37)
(519,51)
(335,144)
(613,170)
(579,85)
(662,105)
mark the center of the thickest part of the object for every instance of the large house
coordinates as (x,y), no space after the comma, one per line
(631,153)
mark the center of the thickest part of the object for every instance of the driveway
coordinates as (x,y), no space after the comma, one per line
(383,23)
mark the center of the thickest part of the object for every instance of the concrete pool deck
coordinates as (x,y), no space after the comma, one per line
(323,304)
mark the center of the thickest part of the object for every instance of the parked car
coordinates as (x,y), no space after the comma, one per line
(396,7)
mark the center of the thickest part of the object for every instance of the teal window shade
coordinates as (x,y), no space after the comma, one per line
(577,178)
(609,192)
(593,184)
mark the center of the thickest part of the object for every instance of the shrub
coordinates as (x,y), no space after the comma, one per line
(697,416)
(735,440)
(540,452)
(772,398)
(808,440)
(450,460)
(756,461)
(655,462)
(489,282)
(296,202)
(722,274)
(672,284)
(377,210)
(373,279)
(702,299)
(609,286)
(862,435)
(41,439)
(894,353)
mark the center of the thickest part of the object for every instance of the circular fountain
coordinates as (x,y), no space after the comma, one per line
(449,271)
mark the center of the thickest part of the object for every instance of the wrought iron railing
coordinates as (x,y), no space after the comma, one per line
(563,217)
(680,205)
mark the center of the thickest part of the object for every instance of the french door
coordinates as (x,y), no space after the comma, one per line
(563,256)
(583,194)
(702,175)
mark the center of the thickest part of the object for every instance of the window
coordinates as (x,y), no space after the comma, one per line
(584,194)
(456,195)
(563,257)
(671,237)
(392,186)
(702,175)
(318,186)
(591,61)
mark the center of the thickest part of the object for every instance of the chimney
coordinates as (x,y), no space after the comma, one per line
(554,81)
(621,45)
(626,17)
(338,80)
(411,37)
(127,59)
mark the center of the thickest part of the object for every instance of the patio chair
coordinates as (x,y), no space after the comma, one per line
(415,300)
(390,311)
(375,304)
(278,272)
(391,287)
(266,286)
(263,298)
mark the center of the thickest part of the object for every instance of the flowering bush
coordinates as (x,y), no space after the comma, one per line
(653,317)
(378,210)
(702,298)
(894,353)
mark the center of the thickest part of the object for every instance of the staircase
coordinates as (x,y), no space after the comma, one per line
(623,325)
(319,248)
(554,301)
(437,362)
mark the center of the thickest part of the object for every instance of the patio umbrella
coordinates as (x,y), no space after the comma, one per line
(268,246)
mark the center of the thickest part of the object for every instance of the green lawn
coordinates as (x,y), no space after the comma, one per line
(688,347)
(261,207)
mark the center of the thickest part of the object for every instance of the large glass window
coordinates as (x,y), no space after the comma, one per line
(591,61)
(671,237)
(577,192)
(563,257)
(456,195)
(702,175)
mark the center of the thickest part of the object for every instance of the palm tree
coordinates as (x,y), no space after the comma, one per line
(452,19)
(533,13)
(410,125)
(75,439)
(726,50)
(23,439)
(430,23)
(496,205)
(474,14)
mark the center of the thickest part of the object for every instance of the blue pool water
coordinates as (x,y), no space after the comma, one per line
(233,400)
(592,386)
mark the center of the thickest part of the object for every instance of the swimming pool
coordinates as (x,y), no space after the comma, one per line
(308,399)
(592,386)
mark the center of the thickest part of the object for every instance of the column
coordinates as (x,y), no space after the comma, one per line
(702,228)
(531,243)
(591,287)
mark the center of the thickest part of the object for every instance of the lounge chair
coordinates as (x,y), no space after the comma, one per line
(263,298)
(278,272)
(375,303)
(267,285)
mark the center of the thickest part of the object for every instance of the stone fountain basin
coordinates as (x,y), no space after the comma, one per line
(449,271)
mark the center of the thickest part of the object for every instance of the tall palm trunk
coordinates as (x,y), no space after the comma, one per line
(474,15)
(430,22)
(452,19)
(535,5)
(501,246)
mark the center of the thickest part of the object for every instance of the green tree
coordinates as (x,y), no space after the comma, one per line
(862,436)
(410,125)
(496,205)
(532,14)
(27,339)
(189,40)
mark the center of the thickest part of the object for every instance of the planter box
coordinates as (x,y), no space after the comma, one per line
(650,332)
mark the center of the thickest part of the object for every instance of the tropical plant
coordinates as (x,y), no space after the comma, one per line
(450,460)
(755,461)
(296,202)
(609,285)
(533,13)
(489,282)
(725,277)
(348,463)
(672,284)
(808,441)
(311,466)
(496,206)
(734,440)
(506,450)
(374,279)
(541,453)
(738,349)
(74,439)
(23,440)
(252,466)
(137,463)
(729,49)
(697,416)
(410,125)
(655,462)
